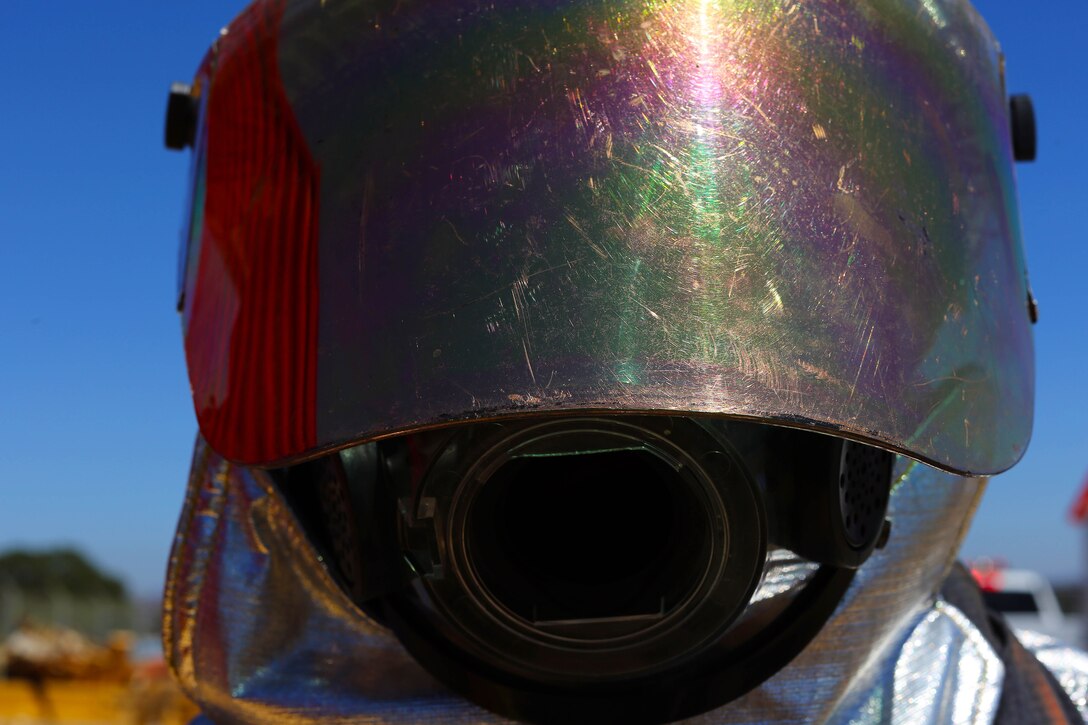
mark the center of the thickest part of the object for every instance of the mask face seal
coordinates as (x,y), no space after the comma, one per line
(573,569)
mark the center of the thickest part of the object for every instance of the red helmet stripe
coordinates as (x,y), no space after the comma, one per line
(252,335)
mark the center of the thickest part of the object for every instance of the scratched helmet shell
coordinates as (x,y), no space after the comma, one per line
(411,214)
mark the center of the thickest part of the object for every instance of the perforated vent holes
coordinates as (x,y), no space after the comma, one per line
(340,525)
(864,482)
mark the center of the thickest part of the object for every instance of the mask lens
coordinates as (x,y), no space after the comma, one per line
(589,538)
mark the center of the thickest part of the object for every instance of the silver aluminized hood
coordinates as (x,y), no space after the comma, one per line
(257,631)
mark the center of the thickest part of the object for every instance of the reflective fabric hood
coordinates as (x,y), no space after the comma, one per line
(412,213)
(257,631)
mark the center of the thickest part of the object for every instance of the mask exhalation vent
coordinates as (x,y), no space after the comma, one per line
(863,491)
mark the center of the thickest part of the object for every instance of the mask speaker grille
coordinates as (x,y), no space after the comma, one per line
(339,523)
(863,491)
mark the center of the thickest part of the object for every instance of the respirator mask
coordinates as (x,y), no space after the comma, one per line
(645,568)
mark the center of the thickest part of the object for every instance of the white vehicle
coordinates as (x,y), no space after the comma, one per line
(1028,602)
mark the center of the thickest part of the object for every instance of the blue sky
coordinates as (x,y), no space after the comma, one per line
(95,418)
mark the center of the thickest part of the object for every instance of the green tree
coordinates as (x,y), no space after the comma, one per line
(57,571)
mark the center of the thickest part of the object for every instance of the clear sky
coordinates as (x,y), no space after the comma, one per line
(96,425)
